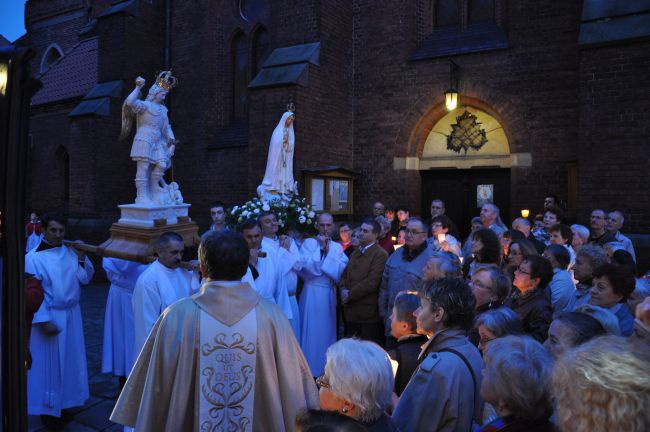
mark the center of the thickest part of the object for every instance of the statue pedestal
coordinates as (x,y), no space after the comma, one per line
(150,215)
(133,237)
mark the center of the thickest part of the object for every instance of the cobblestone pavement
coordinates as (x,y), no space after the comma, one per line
(104,388)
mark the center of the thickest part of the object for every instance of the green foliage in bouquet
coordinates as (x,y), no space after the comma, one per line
(293,213)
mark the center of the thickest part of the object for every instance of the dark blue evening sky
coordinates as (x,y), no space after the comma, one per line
(12,23)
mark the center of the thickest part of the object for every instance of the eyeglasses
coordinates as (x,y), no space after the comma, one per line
(321,382)
(518,269)
(411,232)
(484,342)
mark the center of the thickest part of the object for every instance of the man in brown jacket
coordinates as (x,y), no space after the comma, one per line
(360,285)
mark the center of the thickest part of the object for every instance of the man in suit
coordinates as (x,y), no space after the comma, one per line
(360,285)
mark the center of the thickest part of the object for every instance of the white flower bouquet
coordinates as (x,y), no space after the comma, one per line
(292,211)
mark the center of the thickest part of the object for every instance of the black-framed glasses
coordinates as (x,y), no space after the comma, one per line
(522,271)
(321,382)
(412,232)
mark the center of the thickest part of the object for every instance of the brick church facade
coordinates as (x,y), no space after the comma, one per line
(560,90)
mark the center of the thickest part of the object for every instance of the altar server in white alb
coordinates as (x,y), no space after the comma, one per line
(323,263)
(161,284)
(289,263)
(118,356)
(58,378)
(264,268)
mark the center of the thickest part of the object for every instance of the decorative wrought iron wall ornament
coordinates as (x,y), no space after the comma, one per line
(466,133)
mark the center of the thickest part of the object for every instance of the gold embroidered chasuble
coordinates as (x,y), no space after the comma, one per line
(163,394)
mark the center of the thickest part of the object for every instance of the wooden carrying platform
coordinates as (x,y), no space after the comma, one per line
(136,243)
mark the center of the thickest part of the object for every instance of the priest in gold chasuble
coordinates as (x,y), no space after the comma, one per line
(223,359)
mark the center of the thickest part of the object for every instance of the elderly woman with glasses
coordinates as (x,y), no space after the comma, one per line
(490,287)
(358,382)
(529,300)
(515,382)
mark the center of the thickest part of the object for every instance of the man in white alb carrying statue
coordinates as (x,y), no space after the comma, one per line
(58,378)
(223,359)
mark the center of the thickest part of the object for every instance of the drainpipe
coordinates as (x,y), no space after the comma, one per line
(168,33)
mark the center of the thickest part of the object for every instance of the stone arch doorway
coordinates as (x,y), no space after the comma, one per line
(466,161)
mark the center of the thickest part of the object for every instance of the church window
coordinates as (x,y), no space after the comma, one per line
(52,54)
(446,13)
(261,45)
(239,61)
(480,11)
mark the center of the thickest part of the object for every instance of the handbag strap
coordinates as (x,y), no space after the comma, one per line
(471,371)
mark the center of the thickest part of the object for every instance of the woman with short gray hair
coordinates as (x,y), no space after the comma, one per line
(440,265)
(358,382)
(580,236)
(497,323)
(516,381)
(385,240)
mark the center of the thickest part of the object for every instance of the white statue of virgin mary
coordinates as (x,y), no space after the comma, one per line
(278,177)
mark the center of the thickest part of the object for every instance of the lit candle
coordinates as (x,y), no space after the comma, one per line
(525,213)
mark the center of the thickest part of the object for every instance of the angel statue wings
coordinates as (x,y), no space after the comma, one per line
(278,176)
(154,142)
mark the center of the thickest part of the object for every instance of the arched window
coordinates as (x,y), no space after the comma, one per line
(481,11)
(239,61)
(61,181)
(446,13)
(261,45)
(52,54)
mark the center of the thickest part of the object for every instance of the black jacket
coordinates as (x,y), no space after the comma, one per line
(406,354)
(534,310)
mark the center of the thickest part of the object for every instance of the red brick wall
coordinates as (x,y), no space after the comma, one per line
(614,133)
(531,87)
(366,103)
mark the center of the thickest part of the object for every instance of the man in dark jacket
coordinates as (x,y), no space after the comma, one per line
(529,301)
(360,285)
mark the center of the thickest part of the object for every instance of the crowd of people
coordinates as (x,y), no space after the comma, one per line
(392,325)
